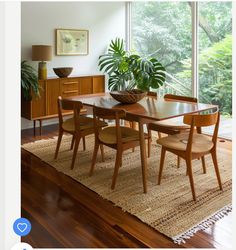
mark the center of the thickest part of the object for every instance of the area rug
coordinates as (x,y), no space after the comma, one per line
(168,207)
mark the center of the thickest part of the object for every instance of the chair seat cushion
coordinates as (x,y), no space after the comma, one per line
(85,123)
(201,143)
(174,123)
(108,135)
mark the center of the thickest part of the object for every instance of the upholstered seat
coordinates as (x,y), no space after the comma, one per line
(174,124)
(201,143)
(108,135)
(85,123)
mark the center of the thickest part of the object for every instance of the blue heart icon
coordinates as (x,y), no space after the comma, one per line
(22,227)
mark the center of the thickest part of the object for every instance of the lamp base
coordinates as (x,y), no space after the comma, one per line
(42,71)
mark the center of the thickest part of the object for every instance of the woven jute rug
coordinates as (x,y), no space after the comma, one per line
(168,207)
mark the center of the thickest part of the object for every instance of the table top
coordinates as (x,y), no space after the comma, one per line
(151,108)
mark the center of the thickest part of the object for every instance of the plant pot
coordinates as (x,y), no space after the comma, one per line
(128,96)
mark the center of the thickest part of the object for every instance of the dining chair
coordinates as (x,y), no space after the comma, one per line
(170,126)
(118,137)
(78,126)
(192,145)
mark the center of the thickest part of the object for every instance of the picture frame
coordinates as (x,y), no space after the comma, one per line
(72,42)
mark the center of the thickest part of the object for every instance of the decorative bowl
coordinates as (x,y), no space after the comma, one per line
(128,96)
(63,72)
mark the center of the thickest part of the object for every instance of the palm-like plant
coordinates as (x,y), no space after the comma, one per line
(127,70)
(29,81)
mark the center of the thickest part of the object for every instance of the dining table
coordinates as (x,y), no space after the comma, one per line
(147,110)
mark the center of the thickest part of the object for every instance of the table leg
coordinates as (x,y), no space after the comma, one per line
(40,127)
(34,127)
(143,155)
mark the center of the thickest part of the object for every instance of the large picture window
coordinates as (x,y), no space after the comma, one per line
(164,30)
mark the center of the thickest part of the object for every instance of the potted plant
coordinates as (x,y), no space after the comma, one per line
(128,71)
(29,80)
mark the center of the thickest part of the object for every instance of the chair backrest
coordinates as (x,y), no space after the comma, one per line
(64,104)
(180,98)
(110,114)
(152,93)
(202,120)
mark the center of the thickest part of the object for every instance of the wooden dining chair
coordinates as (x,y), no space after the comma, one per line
(78,126)
(118,137)
(192,145)
(170,126)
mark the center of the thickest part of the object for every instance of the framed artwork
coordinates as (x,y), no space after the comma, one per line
(70,42)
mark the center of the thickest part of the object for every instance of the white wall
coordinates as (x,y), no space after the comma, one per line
(104,20)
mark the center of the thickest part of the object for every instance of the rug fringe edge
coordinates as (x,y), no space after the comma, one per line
(203,225)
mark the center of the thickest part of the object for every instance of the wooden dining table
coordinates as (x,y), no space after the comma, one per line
(149,109)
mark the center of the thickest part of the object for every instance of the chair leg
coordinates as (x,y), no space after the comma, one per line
(102,152)
(84,144)
(203,164)
(149,142)
(117,166)
(214,158)
(131,124)
(95,152)
(58,143)
(163,153)
(178,161)
(186,170)
(190,175)
(77,141)
(72,142)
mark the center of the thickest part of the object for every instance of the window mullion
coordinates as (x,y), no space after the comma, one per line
(195,49)
(128,25)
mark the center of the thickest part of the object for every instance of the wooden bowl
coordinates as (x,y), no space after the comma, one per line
(128,96)
(63,72)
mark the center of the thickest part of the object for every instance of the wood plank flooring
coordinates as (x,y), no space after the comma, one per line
(66,214)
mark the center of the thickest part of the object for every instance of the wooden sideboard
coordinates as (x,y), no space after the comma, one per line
(45,106)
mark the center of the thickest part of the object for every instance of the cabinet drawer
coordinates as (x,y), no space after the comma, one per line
(67,93)
(67,85)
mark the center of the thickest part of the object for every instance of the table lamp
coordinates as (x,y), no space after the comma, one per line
(42,53)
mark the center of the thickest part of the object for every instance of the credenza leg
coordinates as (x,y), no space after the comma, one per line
(40,127)
(34,127)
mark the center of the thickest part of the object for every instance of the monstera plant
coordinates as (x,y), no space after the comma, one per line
(127,71)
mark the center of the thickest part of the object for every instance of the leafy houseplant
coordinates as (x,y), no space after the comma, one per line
(127,71)
(29,80)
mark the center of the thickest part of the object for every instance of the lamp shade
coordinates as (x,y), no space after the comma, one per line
(41,53)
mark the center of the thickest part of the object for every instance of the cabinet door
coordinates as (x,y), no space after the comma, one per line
(98,84)
(38,107)
(85,84)
(69,87)
(52,93)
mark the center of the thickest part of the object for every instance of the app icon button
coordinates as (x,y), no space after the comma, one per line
(22,227)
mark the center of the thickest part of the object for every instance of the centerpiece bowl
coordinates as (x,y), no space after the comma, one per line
(63,72)
(128,96)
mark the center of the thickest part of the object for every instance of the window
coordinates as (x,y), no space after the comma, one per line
(164,30)
(215,55)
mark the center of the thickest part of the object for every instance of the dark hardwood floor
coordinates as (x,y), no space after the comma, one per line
(66,214)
